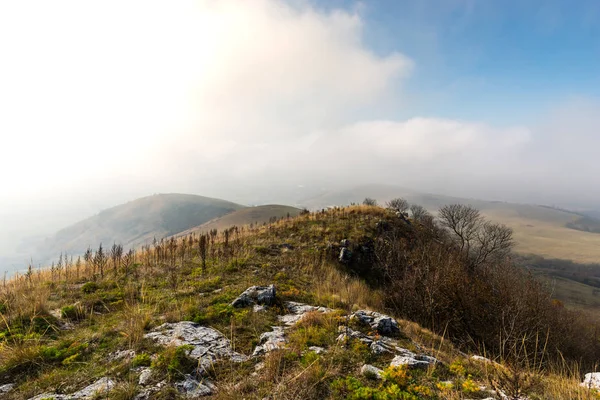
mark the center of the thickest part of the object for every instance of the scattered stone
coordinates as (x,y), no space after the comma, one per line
(270,341)
(317,349)
(6,388)
(208,344)
(380,347)
(121,355)
(217,290)
(145,376)
(259,308)
(591,380)
(148,392)
(412,360)
(383,324)
(298,310)
(371,372)
(191,388)
(103,385)
(256,295)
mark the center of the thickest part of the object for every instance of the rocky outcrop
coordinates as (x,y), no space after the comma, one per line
(270,341)
(298,311)
(264,295)
(381,323)
(208,344)
(101,386)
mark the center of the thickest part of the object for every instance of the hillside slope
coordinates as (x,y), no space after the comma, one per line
(537,229)
(246,216)
(166,325)
(138,222)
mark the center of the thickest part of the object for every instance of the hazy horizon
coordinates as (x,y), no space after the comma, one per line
(270,100)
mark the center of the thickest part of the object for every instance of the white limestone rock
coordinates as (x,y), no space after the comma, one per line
(208,344)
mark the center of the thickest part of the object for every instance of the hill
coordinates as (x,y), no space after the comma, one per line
(539,230)
(258,215)
(138,222)
(352,303)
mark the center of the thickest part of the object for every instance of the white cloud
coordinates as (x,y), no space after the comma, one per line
(107,100)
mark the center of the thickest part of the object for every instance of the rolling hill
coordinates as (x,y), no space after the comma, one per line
(540,230)
(138,222)
(245,216)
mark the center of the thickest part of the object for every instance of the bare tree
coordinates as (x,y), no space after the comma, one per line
(368,201)
(494,241)
(419,213)
(463,221)
(398,204)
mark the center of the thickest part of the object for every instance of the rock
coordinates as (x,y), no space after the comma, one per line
(371,372)
(383,324)
(591,380)
(191,388)
(347,333)
(380,347)
(345,255)
(101,386)
(256,295)
(258,308)
(412,360)
(145,376)
(298,310)
(317,349)
(344,243)
(148,392)
(6,388)
(121,354)
(270,341)
(208,344)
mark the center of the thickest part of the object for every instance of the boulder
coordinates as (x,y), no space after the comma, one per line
(208,344)
(591,380)
(412,360)
(345,255)
(270,341)
(256,295)
(371,372)
(381,323)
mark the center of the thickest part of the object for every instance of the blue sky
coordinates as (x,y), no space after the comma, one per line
(505,62)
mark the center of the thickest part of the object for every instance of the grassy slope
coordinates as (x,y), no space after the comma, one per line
(138,222)
(117,314)
(246,216)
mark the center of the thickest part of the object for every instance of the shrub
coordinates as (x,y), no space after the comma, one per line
(141,360)
(89,287)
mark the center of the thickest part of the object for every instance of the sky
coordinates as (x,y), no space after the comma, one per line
(103,102)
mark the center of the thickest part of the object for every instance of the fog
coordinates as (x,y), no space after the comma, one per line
(253,101)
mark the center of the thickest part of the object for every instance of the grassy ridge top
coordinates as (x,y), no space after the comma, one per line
(541,230)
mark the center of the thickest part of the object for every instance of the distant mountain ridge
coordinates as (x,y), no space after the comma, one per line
(137,222)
